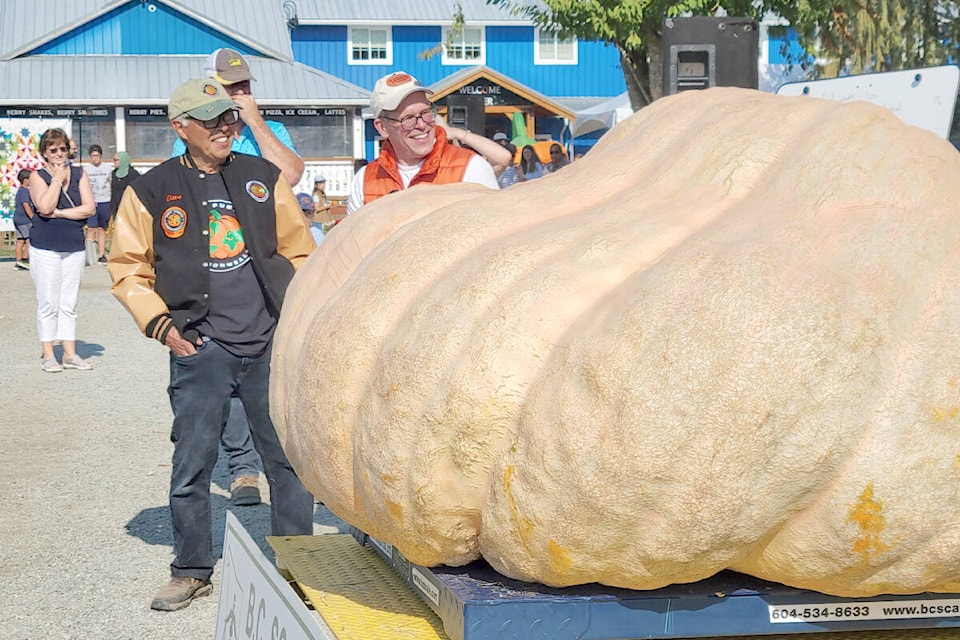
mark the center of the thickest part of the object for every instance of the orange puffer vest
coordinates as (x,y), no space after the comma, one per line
(445,164)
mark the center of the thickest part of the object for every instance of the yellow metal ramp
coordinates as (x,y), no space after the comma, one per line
(356,593)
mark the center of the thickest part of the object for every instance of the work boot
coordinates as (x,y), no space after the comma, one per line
(245,491)
(179,593)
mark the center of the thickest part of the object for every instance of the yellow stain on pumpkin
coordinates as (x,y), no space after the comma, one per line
(558,557)
(525,526)
(866,514)
(940,414)
(395,510)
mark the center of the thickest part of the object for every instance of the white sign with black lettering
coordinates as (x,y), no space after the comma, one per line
(427,588)
(255,600)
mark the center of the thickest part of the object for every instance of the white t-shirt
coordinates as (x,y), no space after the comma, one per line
(478,171)
(99,177)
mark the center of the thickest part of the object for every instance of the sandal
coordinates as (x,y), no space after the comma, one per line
(76,362)
(50,365)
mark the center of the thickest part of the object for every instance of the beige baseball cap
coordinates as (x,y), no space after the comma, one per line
(391,89)
(200,98)
(227,66)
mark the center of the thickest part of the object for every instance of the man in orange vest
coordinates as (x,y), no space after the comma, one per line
(415,150)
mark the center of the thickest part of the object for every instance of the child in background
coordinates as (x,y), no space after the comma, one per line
(309,208)
(23,220)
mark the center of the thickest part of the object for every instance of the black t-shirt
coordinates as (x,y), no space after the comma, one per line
(238,317)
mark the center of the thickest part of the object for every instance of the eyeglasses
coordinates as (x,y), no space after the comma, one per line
(409,123)
(556,152)
(231,116)
(57,149)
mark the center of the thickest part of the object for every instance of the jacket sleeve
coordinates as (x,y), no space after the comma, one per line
(294,240)
(131,267)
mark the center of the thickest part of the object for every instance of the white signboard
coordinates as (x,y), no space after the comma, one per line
(255,600)
(921,97)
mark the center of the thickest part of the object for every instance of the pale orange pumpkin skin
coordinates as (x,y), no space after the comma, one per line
(726,338)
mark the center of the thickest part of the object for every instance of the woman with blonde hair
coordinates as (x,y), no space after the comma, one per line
(63,200)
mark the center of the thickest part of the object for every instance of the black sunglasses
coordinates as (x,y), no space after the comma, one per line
(228,117)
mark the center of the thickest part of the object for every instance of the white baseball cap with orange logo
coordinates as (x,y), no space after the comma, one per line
(391,89)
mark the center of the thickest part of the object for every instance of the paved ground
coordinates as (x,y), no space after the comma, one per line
(85,537)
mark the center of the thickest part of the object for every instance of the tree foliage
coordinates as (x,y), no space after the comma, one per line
(845,36)
(854,36)
(632,26)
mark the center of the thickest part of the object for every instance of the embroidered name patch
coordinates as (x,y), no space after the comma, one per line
(174,222)
(258,191)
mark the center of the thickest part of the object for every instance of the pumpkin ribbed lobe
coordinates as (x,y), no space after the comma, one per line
(721,340)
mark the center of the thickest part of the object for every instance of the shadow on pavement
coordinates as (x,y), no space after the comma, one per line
(153,525)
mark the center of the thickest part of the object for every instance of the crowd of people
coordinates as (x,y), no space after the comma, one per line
(202,248)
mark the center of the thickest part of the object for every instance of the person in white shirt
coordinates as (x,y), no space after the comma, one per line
(415,149)
(99,175)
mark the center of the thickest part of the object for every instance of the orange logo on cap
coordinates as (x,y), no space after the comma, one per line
(210,90)
(398,79)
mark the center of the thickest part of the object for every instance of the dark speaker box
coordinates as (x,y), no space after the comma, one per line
(702,52)
(467,112)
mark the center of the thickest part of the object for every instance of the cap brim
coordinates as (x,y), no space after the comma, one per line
(232,77)
(211,110)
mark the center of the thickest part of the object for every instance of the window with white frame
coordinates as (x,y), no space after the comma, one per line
(370,45)
(465,47)
(550,48)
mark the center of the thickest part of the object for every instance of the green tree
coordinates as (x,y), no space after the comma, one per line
(845,36)
(855,36)
(634,27)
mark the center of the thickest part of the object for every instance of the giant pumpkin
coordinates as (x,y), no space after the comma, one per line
(726,338)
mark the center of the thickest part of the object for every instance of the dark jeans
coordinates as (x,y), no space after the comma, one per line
(200,387)
(242,458)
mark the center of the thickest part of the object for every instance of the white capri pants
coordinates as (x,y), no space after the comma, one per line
(57,276)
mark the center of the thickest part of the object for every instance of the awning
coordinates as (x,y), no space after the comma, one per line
(601,116)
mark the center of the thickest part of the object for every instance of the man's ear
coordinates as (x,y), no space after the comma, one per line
(178,128)
(378,125)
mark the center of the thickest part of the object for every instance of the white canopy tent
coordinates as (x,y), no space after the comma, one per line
(602,116)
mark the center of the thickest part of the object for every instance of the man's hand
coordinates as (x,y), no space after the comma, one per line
(178,344)
(249,111)
(271,148)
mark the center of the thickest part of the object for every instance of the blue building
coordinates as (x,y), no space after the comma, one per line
(497,66)
(104,69)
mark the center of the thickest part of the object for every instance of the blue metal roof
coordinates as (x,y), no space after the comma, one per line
(133,80)
(122,52)
(403,12)
(260,25)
